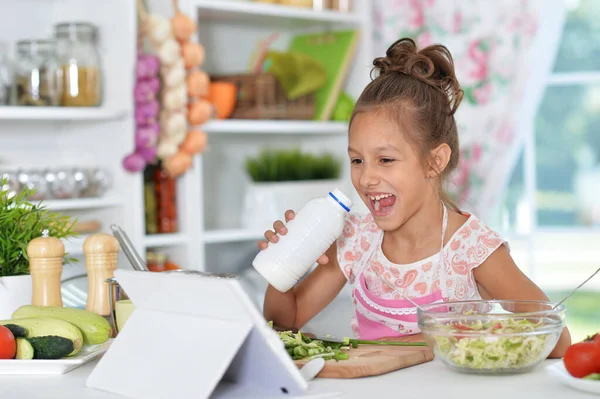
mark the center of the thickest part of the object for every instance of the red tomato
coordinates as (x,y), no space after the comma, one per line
(582,359)
(459,326)
(594,338)
(8,344)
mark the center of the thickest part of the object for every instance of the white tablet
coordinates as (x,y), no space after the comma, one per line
(187,335)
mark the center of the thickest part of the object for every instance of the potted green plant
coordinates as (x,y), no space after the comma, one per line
(282,179)
(20,222)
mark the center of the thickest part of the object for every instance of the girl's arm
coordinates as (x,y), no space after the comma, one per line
(500,278)
(299,305)
(296,307)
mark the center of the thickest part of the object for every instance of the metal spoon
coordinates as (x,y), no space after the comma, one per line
(576,288)
(136,260)
(553,308)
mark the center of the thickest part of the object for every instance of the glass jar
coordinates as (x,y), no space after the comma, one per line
(80,63)
(37,74)
(341,5)
(6,75)
(166,201)
(156,261)
(150,214)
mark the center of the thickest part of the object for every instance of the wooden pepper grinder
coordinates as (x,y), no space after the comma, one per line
(101,259)
(45,266)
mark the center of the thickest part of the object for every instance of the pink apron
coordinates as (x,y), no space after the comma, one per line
(378,318)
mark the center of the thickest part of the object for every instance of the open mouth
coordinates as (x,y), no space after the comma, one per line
(382,203)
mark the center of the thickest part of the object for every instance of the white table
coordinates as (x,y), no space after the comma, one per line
(431,380)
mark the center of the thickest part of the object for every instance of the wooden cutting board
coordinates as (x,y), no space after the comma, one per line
(369,360)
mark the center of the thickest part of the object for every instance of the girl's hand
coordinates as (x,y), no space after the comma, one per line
(280,229)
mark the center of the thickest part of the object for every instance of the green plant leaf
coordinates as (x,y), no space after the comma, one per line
(20,222)
(291,165)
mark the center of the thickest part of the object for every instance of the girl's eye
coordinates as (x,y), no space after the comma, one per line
(356,161)
(387,160)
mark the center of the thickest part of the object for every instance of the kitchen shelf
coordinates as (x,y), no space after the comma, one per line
(242,126)
(231,235)
(261,14)
(165,240)
(82,203)
(58,113)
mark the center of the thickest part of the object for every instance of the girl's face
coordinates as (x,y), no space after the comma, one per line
(386,170)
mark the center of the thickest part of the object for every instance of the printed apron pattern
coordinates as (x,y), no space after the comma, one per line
(378,318)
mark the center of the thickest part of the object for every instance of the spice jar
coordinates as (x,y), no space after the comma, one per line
(341,5)
(80,63)
(150,201)
(156,261)
(6,78)
(166,201)
(37,74)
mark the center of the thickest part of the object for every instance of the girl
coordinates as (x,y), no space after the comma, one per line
(403,144)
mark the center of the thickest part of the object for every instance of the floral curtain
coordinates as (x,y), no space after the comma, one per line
(491,42)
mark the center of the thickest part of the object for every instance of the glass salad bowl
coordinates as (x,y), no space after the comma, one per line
(492,337)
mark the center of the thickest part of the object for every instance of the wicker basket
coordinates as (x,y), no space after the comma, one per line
(260,96)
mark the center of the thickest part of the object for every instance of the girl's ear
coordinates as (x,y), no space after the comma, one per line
(438,160)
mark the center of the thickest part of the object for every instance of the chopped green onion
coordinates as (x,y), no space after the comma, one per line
(300,346)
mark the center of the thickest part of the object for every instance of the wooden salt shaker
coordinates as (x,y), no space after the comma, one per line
(45,266)
(101,259)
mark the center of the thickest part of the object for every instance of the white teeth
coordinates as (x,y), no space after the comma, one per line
(378,197)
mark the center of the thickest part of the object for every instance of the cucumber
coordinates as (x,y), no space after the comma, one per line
(47,326)
(24,349)
(51,347)
(94,328)
(17,331)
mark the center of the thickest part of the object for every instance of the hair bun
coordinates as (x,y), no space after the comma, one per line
(433,65)
(397,57)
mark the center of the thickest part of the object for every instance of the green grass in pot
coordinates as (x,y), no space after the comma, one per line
(20,222)
(292,165)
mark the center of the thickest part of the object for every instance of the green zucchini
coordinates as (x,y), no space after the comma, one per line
(94,328)
(38,327)
(24,349)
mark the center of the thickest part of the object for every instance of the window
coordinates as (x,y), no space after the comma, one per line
(551,207)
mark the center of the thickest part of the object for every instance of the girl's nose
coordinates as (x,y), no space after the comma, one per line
(369,177)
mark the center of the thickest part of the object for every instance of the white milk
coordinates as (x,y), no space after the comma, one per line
(316,226)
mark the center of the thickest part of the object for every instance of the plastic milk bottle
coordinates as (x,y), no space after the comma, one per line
(316,226)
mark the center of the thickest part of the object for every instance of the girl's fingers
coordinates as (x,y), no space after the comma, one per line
(279,227)
(289,215)
(271,236)
(323,260)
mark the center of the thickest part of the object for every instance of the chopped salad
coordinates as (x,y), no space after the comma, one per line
(493,352)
